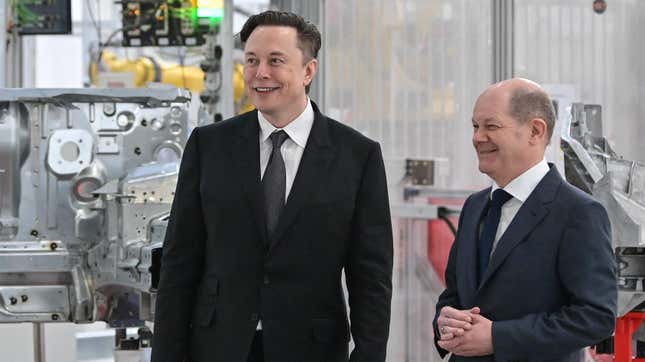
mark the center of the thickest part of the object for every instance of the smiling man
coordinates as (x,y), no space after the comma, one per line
(531,274)
(271,207)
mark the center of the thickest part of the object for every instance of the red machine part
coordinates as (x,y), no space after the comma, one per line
(625,328)
(440,237)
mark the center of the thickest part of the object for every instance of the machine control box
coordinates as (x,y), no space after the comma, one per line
(43,16)
(169,23)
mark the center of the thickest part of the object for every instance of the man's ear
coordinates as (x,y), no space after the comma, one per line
(538,130)
(310,71)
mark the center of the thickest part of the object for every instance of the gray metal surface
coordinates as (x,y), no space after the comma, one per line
(503,19)
(87,177)
(619,184)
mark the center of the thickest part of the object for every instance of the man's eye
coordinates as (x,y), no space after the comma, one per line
(277,61)
(251,61)
(492,127)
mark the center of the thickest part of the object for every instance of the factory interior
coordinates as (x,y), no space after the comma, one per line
(98,99)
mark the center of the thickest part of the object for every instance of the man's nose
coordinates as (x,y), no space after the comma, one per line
(263,71)
(479,135)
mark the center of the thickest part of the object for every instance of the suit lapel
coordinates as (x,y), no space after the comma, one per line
(467,252)
(246,154)
(311,170)
(528,217)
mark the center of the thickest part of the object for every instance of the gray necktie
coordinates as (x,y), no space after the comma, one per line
(274,182)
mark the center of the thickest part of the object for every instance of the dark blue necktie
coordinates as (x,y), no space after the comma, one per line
(485,244)
(274,182)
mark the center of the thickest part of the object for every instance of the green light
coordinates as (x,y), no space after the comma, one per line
(211,9)
(210,13)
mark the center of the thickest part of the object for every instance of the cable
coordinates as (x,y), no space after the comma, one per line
(94,22)
(140,21)
(443,213)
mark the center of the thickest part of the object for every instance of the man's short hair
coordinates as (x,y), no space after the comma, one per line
(525,105)
(309,38)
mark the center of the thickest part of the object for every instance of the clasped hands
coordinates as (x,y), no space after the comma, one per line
(465,332)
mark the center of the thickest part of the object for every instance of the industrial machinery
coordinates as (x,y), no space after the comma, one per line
(619,184)
(87,177)
(163,23)
(145,70)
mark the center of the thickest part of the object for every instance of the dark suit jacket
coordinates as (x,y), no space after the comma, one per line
(218,278)
(550,288)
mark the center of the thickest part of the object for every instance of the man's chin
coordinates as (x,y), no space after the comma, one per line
(264,107)
(485,169)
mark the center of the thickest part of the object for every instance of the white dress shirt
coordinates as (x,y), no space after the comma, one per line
(520,188)
(298,131)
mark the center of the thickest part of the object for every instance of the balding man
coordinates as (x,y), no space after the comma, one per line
(531,275)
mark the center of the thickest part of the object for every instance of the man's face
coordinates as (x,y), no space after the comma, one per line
(501,142)
(275,73)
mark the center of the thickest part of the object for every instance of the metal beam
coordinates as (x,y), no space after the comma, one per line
(3,41)
(502,36)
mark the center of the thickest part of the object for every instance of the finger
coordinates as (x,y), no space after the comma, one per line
(474,310)
(449,345)
(452,331)
(478,318)
(447,336)
(452,313)
(458,332)
(454,323)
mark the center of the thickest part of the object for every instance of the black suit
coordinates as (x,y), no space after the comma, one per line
(218,278)
(550,286)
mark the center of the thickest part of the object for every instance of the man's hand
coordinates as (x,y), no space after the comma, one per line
(476,341)
(454,322)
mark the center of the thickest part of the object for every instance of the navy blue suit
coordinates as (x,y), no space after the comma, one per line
(550,287)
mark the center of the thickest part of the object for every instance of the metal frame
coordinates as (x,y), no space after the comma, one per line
(503,39)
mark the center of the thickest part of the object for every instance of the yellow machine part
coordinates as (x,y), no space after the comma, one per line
(242,104)
(147,70)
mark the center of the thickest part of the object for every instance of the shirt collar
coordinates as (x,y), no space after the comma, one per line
(522,186)
(298,129)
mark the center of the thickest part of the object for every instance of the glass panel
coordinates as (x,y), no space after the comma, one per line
(407,73)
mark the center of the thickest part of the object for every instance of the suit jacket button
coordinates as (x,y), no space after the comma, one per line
(266,279)
(255,317)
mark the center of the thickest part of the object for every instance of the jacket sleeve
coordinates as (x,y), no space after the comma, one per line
(181,265)
(587,271)
(369,268)
(449,297)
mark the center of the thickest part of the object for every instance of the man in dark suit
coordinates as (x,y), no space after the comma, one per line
(270,208)
(531,275)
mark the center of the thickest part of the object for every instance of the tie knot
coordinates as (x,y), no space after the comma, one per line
(500,197)
(278,138)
